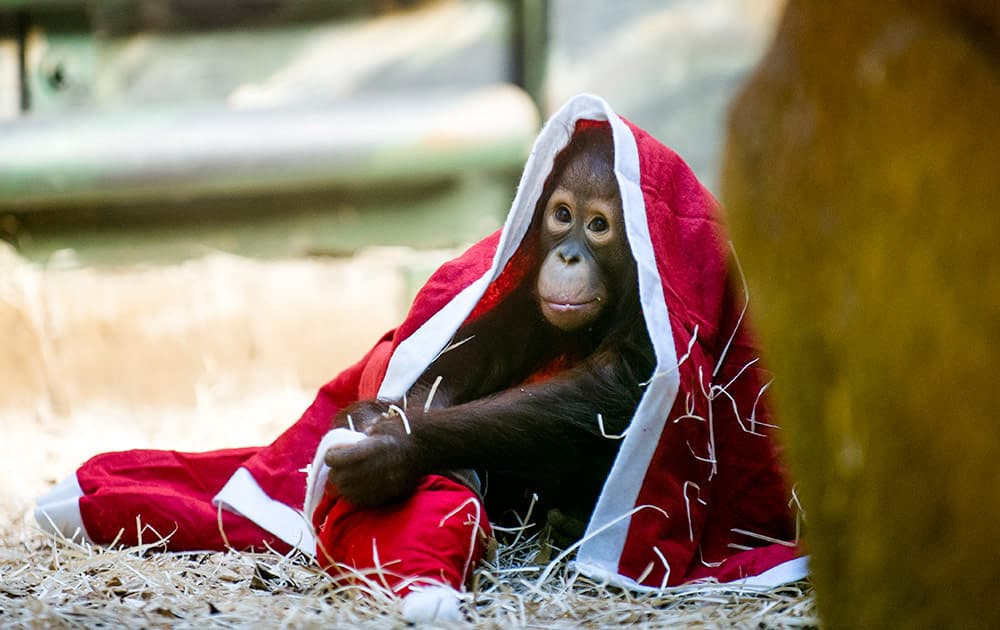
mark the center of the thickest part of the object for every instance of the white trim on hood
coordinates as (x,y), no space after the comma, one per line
(608,529)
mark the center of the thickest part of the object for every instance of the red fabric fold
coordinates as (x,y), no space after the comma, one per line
(436,536)
(140,496)
(714,470)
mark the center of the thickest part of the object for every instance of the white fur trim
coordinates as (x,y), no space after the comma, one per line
(58,511)
(68,488)
(317,471)
(791,571)
(244,496)
(433,604)
(621,490)
(413,354)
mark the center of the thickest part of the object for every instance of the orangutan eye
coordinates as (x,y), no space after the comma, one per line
(598,224)
(562,214)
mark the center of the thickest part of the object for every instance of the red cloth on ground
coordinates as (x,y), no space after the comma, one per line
(166,494)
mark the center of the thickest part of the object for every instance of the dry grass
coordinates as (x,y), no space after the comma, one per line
(50,582)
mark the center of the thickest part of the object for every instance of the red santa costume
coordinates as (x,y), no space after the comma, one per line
(696,487)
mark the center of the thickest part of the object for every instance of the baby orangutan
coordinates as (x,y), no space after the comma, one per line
(580,305)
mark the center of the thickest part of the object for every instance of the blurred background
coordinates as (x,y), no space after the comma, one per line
(210,207)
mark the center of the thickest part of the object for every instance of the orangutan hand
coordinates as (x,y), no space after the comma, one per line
(380,469)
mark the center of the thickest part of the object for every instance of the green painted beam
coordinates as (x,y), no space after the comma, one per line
(337,222)
(184,153)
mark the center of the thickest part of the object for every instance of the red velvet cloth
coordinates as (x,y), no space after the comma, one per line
(437,536)
(141,496)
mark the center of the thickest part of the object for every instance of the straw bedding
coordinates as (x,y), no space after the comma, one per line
(48,582)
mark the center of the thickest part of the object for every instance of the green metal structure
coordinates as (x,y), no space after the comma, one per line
(137,130)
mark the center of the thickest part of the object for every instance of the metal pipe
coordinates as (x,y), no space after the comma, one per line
(139,155)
